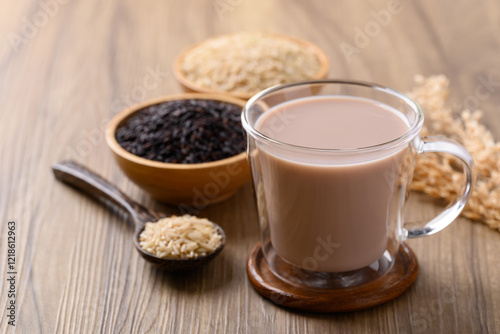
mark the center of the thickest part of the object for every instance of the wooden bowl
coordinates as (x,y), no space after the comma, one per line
(190,86)
(193,185)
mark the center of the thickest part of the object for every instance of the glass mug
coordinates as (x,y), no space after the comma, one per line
(333,218)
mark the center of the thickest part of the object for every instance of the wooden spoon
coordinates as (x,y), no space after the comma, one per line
(87,181)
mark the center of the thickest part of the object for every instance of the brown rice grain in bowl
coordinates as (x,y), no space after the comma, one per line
(248,62)
(180,237)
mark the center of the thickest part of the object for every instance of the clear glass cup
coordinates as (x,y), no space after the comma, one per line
(297,189)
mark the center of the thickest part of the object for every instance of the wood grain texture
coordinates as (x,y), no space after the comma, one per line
(80,63)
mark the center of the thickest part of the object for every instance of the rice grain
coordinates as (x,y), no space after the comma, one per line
(180,237)
(436,175)
(248,62)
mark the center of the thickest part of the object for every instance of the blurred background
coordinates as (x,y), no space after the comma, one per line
(68,66)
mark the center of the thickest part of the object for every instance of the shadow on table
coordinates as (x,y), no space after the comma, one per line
(208,278)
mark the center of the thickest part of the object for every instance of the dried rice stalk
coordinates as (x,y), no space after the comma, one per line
(435,175)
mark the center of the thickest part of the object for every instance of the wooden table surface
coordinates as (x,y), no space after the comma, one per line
(68,66)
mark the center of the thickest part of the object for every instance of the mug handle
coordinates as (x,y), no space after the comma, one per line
(445,218)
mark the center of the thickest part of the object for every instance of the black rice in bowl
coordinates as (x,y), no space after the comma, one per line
(184,131)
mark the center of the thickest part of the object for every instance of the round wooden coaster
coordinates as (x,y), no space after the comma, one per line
(391,285)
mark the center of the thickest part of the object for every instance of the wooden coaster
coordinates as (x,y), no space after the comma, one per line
(391,285)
